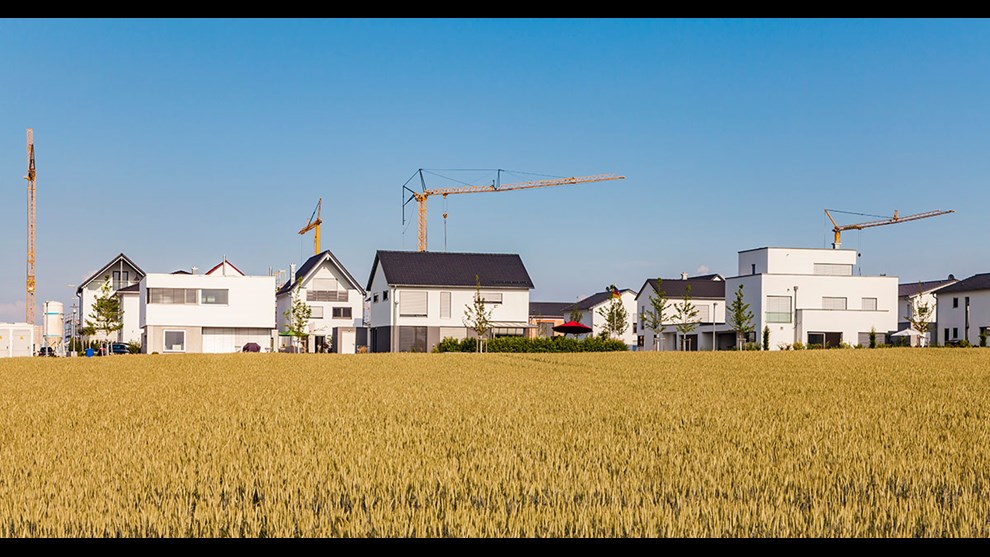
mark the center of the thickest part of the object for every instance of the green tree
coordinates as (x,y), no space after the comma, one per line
(983,337)
(740,317)
(655,317)
(615,315)
(873,337)
(766,337)
(477,316)
(921,316)
(297,318)
(686,313)
(107,316)
(575,315)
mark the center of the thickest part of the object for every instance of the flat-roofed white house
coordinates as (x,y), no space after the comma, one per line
(708,298)
(183,312)
(336,302)
(811,296)
(911,295)
(124,275)
(419,298)
(964,310)
(590,306)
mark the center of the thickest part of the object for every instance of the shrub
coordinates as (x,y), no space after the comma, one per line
(545,344)
(751,346)
(983,337)
(133,347)
(797,346)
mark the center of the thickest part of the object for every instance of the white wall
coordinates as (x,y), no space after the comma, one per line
(131,321)
(716,308)
(16,339)
(796,261)
(324,326)
(250,302)
(597,322)
(955,317)
(514,306)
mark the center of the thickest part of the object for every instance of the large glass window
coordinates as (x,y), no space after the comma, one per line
(833,269)
(413,303)
(172,296)
(778,309)
(342,313)
(175,341)
(492,297)
(214,296)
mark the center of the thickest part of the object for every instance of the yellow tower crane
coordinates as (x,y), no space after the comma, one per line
(422,196)
(896,219)
(314,225)
(32,228)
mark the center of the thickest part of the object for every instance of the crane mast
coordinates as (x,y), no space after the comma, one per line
(314,225)
(421,197)
(31,229)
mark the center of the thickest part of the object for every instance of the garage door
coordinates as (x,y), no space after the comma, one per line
(219,341)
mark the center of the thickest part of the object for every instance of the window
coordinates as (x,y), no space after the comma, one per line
(120,279)
(316,312)
(545,329)
(955,332)
(326,295)
(639,341)
(752,269)
(955,302)
(172,296)
(342,313)
(829,302)
(634,327)
(175,341)
(445,305)
(492,297)
(863,339)
(214,296)
(702,314)
(374,298)
(833,269)
(946,338)
(384,295)
(413,303)
(870,304)
(508,331)
(778,309)
(816,339)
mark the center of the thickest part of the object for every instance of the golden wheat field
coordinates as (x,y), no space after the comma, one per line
(818,443)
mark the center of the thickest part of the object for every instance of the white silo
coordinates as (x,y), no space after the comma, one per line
(53,326)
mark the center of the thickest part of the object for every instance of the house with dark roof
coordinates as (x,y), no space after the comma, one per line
(419,298)
(914,297)
(335,300)
(707,296)
(121,273)
(964,310)
(591,308)
(544,316)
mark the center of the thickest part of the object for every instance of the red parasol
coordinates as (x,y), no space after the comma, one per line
(572,327)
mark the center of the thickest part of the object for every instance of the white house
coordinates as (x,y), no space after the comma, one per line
(419,298)
(707,295)
(811,296)
(192,313)
(122,274)
(591,305)
(912,295)
(964,309)
(335,300)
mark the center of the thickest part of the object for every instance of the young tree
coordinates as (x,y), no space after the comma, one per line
(575,315)
(766,337)
(297,318)
(478,316)
(921,315)
(615,315)
(741,317)
(653,318)
(685,312)
(107,315)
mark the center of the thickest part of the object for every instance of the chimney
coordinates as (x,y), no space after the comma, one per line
(683,276)
(194,269)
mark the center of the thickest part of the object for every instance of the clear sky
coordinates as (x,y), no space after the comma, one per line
(178,142)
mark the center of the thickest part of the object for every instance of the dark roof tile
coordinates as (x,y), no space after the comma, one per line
(975,282)
(435,268)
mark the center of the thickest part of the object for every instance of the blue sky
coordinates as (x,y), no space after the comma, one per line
(178,142)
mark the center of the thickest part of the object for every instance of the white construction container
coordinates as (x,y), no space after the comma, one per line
(16,339)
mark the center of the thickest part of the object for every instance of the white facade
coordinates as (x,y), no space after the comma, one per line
(206,313)
(121,272)
(335,299)
(16,339)
(811,296)
(710,318)
(441,309)
(130,303)
(962,314)
(596,321)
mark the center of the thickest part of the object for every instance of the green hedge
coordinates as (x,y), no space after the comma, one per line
(521,344)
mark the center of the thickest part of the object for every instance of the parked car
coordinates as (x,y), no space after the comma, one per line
(119,348)
(46,351)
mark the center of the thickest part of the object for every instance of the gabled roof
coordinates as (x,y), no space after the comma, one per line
(180,272)
(107,268)
(975,282)
(548,309)
(911,288)
(594,300)
(712,276)
(312,263)
(701,287)
(220,264)
(435,268)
